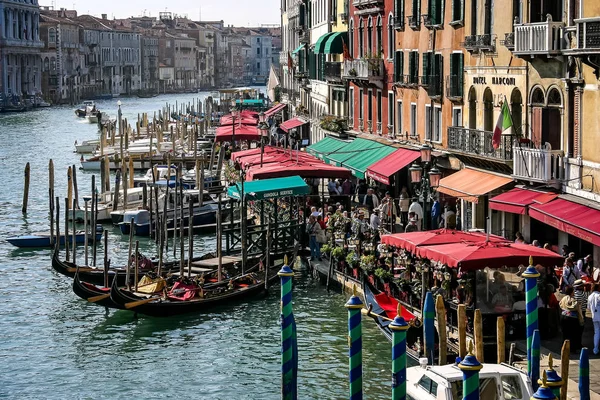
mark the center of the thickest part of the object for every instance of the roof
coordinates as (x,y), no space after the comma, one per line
(469,184)
(292,123)
(360,161)
(325,146)
(270,188)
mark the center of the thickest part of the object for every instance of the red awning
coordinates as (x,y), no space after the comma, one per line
(236,132)
(228,120)
(477,256)
(575,219)
(292,123)
(303,169)
(389,165)
(411,240)
(516,200)
(275,109)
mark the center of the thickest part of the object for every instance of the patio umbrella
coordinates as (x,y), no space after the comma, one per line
(411,240)
(476,256)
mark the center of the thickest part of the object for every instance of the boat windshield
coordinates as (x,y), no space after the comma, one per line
(488,389)
(500,290)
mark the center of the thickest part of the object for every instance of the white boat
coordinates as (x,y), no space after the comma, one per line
(92,118)
(87,146)
(105,203)
(496,381)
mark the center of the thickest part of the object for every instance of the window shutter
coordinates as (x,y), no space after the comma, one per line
(312,66)
(415,8)
(459,72)
(426,67)
(301,12)
(536,127)
(438,64)
(401,67)
(433,10)
(416,68)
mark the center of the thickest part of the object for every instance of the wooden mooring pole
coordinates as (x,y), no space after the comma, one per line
(26,189)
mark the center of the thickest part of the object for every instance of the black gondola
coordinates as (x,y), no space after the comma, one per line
(163,306)
(90,292)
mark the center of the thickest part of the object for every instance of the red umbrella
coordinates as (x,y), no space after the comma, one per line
(241,132)
(476,256)
(228,120)
(301,168)
(409,241)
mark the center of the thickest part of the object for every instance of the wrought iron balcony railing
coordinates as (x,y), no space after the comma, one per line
(414,21)
(474,142)
(509,40)
(333,71)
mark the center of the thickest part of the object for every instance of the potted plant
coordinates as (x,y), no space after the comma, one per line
(326,249)
(352,72)
(353,262)
(385,276)
(337,253)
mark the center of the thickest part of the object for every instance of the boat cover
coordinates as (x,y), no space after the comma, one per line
(183,291)
(390,306)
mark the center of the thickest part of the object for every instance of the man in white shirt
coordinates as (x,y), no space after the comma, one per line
(375,221)
(582,265)
(416,209)
(594,306)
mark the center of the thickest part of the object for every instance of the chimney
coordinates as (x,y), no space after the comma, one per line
(104,16)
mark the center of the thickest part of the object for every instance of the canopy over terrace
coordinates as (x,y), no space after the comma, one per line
(243,120)
(411,240)
(275,109)
(270,188)
(237,132)
(470,256)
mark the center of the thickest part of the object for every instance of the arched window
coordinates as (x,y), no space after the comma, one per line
(53,64)
(554,98)
(488,110)
(537,97)
(391,37)
(51,36)
(379,39)
(516,109)
(361,38)
(370,37)
(472,108)
(46,64)
(351,38)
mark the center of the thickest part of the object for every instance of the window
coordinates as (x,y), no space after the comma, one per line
(351,38)
(487,389)
(511,386)
(435,12)
(351,106)
(391,37)
(413,120)
(416,9)
(258,66)
(428,122)
(457,116)
(379,106)
(426,74)
(370,105)
(258,51)
(51,36)
(458,10)
(399,12)
(361,111)
(399,66)
(399,118)
(361,39)
(370,38)
(437,124)
(390,112)
(379,45)
(427,384)
(456,75)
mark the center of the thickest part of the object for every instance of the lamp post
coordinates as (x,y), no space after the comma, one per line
(425,178)
(234,114)
(263,127)
(243,211)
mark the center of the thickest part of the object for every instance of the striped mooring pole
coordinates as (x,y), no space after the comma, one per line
(429,327)
(399,326)
(535,359)
(544,392)
(470,368)
(584,374)
(553,380)
(354,305)
(287,367)
(531,310)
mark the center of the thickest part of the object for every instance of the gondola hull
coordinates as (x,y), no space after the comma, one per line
(88,291)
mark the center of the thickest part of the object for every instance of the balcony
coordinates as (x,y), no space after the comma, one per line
(427,21)
(304,36)
(470,43)
(414,21)
(454,87)
(424,81)
(587,37)
(371,70)
(344,17)
(477,43)
(333,71)
(539,39)
(398,24)
(538,165)
(509,40)
(476,143)
(368,6)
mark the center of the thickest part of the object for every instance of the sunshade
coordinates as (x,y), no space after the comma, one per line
(320,44)
(270,188)
(334,43)
(325,146)
(514,201)
(292,123)
(411,240)
(275,109)
(302,168)
(237,132)
(389,165)
(469,184)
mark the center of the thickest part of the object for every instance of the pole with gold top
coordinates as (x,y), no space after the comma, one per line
(399,326)
(470,368)
(535,359)
(544,392)
(288,388)
(354,305)
(553,380)
(584,374)
(531,310)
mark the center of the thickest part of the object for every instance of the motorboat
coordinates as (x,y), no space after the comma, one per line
(105,204)
(87,146)
(81,112)
(43,239)
(496,381)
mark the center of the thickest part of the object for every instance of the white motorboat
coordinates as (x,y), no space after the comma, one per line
(92,118)
(105,203)
(87,146)
(496,381)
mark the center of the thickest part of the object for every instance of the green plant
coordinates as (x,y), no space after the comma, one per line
(352,72)
(337,253)
(384,274)
(367,263)
(352,259)
(326,249)
(333,124)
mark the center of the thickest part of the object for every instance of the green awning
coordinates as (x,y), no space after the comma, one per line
(320,45)
(364,159)
(270,188)
(298,49)
(335,43)
(324,147)
(350,150)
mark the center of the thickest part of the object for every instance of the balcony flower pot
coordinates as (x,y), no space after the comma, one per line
(352,72)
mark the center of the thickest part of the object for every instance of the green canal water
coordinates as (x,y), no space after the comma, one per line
(55,346)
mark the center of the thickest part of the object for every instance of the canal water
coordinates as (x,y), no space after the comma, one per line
(54,345)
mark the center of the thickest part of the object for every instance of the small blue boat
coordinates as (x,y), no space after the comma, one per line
(42,239)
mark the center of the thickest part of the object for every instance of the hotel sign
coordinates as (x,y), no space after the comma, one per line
(495,80)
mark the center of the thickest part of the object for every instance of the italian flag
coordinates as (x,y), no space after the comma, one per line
(504,125)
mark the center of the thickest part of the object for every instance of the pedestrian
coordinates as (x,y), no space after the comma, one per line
(565,250)
(371,201)
(389,211)
(404,205)
(594,306)
(583,266)
(412,225)
(375,222)
(331,187)
(436,212)
(536,243)
(347,187)
(571,319)
(519,238)
(314,230)
(361,191)
(417,211)
(569,275)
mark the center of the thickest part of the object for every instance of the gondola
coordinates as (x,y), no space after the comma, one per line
(95,275)
(93,293)
(248,286)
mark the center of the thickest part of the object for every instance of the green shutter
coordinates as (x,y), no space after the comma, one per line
(438,65)
(416,8)
(401,67)
(460,73)
(321,71)
(458,7)
(301,14)
(312,66)
(433,9)
(416,68)
(402,10)
(426,67)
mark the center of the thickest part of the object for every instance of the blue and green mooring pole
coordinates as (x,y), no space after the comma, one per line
(470,368)
(354,305)
(531,308)
(399,326)
(288,383)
